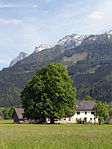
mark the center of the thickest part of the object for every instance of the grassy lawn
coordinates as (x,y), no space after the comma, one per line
(70,136)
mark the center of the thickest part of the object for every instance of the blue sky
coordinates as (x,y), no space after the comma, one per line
(25,24)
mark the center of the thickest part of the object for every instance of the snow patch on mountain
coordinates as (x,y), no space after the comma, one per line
(42,47)
(71,41)
(109,32)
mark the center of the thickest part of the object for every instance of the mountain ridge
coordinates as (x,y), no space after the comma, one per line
(69,41)
(89,65)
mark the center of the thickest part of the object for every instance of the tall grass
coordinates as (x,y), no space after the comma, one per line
(70,136)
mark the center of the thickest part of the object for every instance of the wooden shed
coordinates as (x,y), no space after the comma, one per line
(19,117)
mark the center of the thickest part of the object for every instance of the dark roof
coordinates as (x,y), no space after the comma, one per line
(85,105)
(19,112)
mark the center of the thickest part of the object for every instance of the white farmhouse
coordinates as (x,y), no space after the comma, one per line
(85,110)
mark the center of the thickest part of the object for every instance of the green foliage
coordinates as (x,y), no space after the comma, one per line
(79,121)
(49,93)
(1,111)
(109,106)
(10,112)
(7,113)
(9,95)
(102,112)
(89,98)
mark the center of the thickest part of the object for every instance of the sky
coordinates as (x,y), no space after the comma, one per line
(26,24)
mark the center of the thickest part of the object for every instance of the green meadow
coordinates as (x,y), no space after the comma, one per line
(46,136)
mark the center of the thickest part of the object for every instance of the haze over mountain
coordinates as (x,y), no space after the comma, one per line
(88,60)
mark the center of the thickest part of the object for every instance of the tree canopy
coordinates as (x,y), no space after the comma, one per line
(102,112)
(49,94)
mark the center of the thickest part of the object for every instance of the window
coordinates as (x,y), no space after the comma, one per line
(90,119)
(85,112)
(92,112)
(85,119)
(78,113)
(69,119)
(76,119)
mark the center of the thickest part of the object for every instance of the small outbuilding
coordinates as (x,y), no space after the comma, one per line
(19,117)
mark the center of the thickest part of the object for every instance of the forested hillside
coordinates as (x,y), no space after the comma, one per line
(89,65)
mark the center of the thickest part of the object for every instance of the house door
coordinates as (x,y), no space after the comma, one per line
(85,119)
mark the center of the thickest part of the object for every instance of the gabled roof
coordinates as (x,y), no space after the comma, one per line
(19,112)
(85,105)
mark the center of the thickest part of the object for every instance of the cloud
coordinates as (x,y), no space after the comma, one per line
(48,1)
(34,6)
(96,15)
(11,21)
(8,5)
(4,61)
(17,6)
(45,12)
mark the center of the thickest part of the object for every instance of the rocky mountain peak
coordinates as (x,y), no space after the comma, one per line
(21,56)
(71,41)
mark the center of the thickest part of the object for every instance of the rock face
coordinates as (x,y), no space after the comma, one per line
(21,56)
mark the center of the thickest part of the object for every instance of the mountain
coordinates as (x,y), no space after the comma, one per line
(21,56)
(89,64)
(67,42)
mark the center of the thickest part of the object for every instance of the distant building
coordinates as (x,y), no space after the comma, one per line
(19,117)
(85,110)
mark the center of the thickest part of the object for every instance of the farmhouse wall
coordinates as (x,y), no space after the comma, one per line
(87,116)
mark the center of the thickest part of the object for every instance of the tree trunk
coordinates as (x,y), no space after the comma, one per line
(52,120)
(100,122)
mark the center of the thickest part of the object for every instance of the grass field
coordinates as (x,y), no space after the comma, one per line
(70,136)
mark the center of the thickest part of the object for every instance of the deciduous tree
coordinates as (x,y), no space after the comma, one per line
(102,112)
(49,94)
